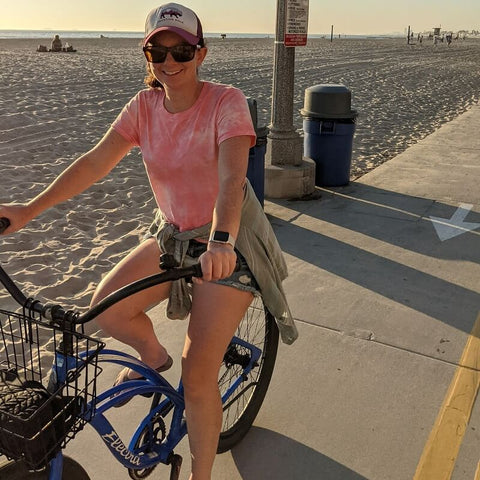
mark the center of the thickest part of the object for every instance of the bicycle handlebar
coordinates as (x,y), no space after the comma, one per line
(135,287)
(12,289)
(56,312)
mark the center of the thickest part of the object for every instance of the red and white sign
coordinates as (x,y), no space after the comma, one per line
(296,23)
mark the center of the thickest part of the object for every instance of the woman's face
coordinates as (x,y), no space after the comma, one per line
(172,74)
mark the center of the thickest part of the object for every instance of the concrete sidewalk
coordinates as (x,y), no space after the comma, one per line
(384,310)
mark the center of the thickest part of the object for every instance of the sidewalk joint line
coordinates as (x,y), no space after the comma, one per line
(391,345)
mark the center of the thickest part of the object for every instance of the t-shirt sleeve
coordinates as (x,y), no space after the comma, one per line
(233,117)
(127,121)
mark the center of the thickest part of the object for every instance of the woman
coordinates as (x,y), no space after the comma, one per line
(194,137)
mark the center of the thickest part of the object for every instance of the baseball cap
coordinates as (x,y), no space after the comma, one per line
(175,18)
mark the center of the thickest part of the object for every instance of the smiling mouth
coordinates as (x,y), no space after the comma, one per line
(170,74)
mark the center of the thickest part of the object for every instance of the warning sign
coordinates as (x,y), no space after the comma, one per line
(296,23)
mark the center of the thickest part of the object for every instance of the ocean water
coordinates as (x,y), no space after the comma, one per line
(6,34)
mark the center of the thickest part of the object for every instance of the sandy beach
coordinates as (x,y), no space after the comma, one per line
(56,106)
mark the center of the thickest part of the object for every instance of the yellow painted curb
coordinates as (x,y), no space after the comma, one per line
(441,450)
(477,472)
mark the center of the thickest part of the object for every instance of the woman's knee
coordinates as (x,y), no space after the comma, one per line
(139,263)
(199,375)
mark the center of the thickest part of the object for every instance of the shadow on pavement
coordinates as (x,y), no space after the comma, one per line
(396,219)
(268,455)
(17,471)
(382,214)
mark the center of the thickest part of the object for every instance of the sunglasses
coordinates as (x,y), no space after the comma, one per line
(180,53)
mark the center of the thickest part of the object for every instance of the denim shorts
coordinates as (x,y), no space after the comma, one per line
(242,278)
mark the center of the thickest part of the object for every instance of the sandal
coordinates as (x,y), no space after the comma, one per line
(123,377)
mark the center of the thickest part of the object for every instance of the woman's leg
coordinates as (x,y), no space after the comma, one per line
(126,320)
(216,313)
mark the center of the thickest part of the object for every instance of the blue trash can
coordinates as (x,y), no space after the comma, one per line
(329,127)
(329,144)
(256,164)
(256,155)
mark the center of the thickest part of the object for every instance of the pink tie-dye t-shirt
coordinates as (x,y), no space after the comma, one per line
(180,150)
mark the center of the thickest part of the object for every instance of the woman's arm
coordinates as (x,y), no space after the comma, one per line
(219,259)
(81,174)
(232,170)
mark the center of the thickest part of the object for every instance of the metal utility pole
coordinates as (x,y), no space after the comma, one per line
(286,174)
(286,144)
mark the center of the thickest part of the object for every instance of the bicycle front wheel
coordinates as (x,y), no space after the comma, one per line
(258,327)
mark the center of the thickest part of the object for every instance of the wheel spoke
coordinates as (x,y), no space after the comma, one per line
(259,329)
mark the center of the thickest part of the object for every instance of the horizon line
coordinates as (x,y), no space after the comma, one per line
(272,34)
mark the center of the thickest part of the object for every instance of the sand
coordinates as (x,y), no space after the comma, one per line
(56,106)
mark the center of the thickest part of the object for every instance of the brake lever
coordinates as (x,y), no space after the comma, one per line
(168,262)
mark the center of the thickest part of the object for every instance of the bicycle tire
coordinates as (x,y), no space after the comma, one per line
(72,470)
(259,328)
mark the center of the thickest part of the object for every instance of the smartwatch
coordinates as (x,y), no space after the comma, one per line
(217,236)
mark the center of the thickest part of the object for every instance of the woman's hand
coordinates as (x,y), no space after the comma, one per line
(217,262)
(18,215)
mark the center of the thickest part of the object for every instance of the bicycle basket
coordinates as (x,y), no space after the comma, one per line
(36,422)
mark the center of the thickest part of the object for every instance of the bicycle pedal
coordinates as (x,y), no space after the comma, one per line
(176,463)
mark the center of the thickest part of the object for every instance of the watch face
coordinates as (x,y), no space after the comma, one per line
(219,236)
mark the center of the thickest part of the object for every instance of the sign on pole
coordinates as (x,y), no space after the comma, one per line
(296,24)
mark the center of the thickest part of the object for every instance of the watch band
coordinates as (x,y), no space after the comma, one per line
(217,236)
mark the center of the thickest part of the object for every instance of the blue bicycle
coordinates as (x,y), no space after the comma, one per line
(44,404)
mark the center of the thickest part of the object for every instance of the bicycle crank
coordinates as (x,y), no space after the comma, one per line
(153,434)
(140,474)
(176,463)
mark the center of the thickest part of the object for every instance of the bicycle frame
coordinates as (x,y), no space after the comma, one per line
(154,383)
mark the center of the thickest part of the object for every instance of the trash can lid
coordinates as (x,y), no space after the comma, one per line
(328,101)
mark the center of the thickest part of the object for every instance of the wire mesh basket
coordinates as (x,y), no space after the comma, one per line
(39,415)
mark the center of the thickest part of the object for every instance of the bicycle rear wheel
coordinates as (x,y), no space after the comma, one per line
(258,327)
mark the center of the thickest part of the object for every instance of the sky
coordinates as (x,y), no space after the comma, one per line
(246,16)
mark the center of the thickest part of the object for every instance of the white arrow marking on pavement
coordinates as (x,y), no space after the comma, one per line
(451,227)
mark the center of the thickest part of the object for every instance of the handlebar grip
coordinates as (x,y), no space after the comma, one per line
(197,270)
(4,224)
(167,262)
